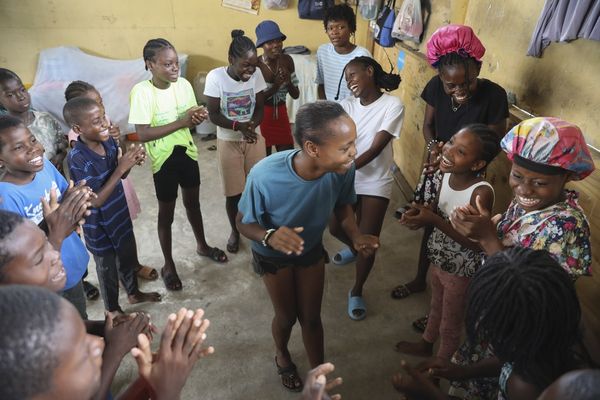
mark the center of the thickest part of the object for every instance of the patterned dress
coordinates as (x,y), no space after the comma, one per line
(561,229)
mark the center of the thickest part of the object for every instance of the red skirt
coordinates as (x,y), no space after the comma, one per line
(275,126)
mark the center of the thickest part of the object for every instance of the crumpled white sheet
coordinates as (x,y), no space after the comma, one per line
(114,79)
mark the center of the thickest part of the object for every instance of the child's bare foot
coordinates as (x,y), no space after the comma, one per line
(141,297)
(419,349)
(233,243)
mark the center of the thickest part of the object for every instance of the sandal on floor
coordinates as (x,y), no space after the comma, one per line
(171,280)
(356,303)
(344,256)
(211,148)
(420,324)
(147,273)
(215,254)
(91,291)
(289,377)
(401,292)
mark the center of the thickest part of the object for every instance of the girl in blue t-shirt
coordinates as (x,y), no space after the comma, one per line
(285,208)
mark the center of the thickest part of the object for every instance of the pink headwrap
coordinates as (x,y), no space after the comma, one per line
(454,39)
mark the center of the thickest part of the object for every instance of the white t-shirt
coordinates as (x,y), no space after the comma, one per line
(384,114)
(330,65)
(237,98)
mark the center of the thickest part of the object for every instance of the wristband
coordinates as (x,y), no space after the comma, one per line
(234,125)
(268,234)
(431,143)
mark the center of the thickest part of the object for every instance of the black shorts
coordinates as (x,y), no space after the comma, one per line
(270,265)
(178,170)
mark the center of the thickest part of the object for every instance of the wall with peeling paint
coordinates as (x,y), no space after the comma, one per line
(119,29)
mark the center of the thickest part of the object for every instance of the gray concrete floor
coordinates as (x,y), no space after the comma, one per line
(240,312)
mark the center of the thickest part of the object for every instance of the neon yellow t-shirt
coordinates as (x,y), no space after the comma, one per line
(157,107)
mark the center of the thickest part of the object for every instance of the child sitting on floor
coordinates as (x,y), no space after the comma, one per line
(96,158)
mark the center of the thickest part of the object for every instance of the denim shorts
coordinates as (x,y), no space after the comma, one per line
(270,265)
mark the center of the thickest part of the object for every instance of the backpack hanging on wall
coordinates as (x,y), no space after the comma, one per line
(276,4)
(409,22)
(385,23)
(368,8)
(314,9)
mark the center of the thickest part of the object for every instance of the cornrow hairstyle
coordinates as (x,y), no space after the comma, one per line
(525,305)
(8,122)
(490,142)
(240,44)
(341,12)
(312,119)
(27,354)
(75,107)
(76,89)
(7,74)
(9,221)
(459,58)
(153,47)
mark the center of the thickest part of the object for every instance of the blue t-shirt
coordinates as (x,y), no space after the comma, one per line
(108,225)
(275,195)
(25,200)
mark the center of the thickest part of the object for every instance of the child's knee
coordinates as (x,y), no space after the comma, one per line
(284,321)
(311,323)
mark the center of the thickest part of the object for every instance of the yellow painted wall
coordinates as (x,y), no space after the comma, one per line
(119,29)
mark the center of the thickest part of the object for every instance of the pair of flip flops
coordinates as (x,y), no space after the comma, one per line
(344,256)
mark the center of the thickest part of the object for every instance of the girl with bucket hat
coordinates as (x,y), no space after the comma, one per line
(279,73)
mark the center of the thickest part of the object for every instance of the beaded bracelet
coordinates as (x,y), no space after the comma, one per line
(234,125)
(431,143)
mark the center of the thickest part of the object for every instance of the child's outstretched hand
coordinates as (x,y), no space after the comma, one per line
(416,385)
(476,223)
(180,348)
(366,244)
(121,336)
(441,368)
(287,240)
(316,385)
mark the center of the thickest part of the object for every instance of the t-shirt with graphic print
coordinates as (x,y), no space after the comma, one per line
(157,107)
(237,98)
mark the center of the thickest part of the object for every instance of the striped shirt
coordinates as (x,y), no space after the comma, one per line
(330,66)
(108,225)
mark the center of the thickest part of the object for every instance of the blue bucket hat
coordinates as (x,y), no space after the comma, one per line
(266,31)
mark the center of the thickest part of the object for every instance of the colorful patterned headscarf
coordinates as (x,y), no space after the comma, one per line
(454,39)
(552,142)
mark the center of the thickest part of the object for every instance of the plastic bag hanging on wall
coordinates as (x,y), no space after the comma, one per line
(249,6)
(369,8)
(276,4)
(409,22)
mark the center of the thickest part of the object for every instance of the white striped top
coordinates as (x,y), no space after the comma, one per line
(330,65)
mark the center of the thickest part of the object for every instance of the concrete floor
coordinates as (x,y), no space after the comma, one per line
(240,312)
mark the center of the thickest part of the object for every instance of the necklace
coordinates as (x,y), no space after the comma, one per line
(265,61)
(454,107)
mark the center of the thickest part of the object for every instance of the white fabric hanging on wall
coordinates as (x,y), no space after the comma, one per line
(114,79)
